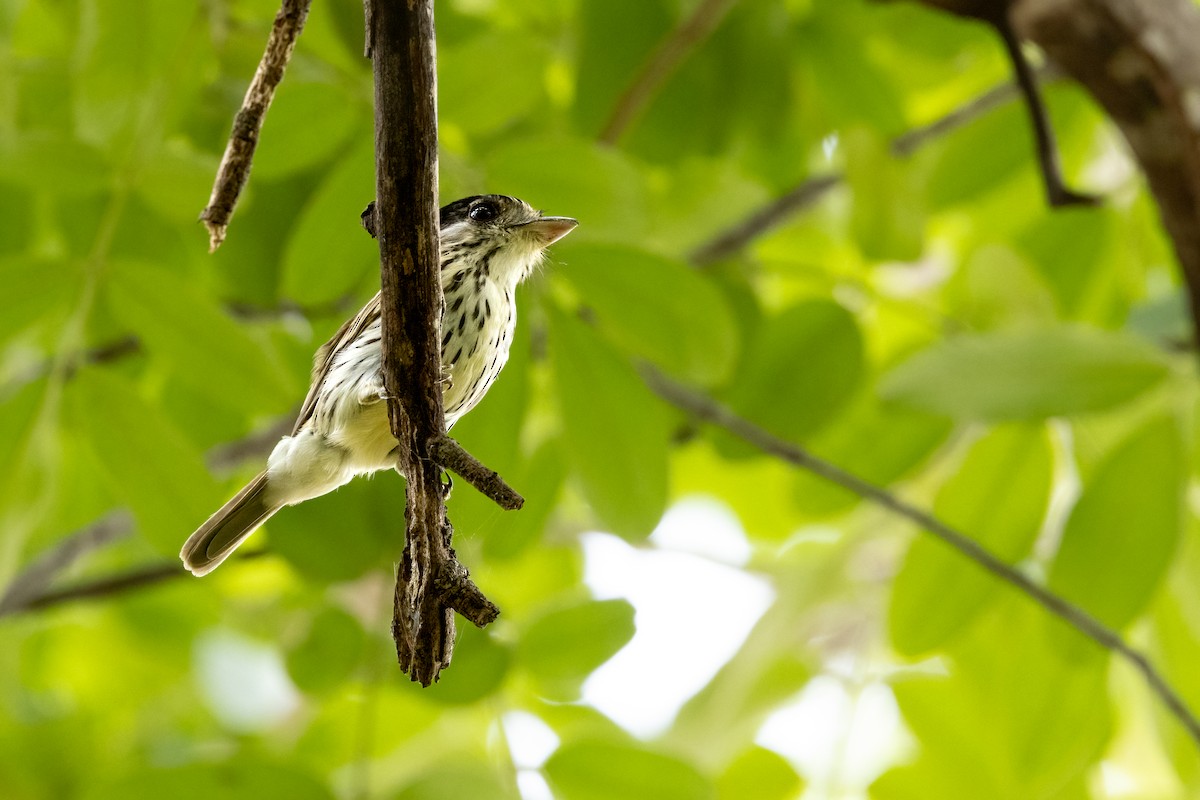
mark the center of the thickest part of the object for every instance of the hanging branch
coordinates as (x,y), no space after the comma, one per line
(712,412)
(430,582)
(1057,193)
(239,153)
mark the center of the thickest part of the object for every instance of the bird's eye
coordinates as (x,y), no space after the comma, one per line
(484,212)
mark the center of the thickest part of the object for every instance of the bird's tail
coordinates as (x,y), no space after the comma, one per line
(225,530)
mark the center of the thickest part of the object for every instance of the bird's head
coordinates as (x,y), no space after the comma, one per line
(504,234)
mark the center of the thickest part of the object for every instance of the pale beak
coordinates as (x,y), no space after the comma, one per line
(549,230)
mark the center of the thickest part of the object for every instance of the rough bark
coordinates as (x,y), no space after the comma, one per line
(429,580)
(1140,60)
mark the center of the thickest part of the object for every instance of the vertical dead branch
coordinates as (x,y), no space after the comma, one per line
(239,153)
(429,580)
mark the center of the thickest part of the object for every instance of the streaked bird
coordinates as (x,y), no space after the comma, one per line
(489,244)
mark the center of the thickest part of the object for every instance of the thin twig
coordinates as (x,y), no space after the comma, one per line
(1057,193)
(239,153)
(666,58)
(110,586)
(451,455)
(710,411)
(767,218)
(910,141)
(33,581)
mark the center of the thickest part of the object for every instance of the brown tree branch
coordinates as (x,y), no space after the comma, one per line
(665,59)
(107,586)
(451,455)
(239,153)
(996,15)
(1139,60)
(430,582)
(712,412)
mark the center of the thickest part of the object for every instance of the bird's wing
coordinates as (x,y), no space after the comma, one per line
(325,356)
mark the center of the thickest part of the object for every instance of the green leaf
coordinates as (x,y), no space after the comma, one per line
(540,481)
(511,92)
(614,429)
(479,668)
(865,93)
(40,160)
(760,774)
(148,463)
(459,778)
(308,124)
(598,186)
(999,290)
(656,308)
(887,220)
(329,652)
(878,443)
(30,298)
(177,180)
(1018,714)
(800,368)
(199,342)
(16,221)
(1028,375)
(329,253)
(123,48)
(615,39)
(1121,535)
(598,770)
(563,646)
(1075,274)
(997,496)
(235,780)
(980,156)
(341,535)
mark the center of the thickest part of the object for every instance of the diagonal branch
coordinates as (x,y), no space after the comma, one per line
(670,53)
(34,582)
(243,139)
(775,213)
(712,412)
(430,583)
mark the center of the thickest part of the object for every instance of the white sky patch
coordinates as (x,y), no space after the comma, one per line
(706,527)
(840,740)
(693,612)
(530,741)
(829,145)
(244,682)
(532,785)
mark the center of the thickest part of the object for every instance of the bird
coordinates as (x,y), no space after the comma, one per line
(489,245)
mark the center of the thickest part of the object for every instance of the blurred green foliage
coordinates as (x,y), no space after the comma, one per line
(928,324)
